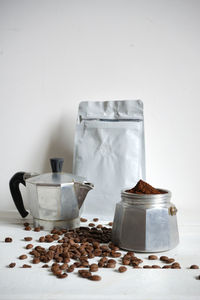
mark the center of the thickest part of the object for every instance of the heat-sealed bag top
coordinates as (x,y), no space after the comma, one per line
(109,151)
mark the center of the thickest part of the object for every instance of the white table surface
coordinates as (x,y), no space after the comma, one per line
(138,284)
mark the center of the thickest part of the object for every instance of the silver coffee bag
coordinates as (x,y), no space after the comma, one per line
(109,151)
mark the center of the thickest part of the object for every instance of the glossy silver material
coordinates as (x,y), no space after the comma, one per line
(55,199)
(145,223)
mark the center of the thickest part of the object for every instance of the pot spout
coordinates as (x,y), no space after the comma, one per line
(83,189)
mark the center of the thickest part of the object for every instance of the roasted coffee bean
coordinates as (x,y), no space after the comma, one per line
(37,229)
(45,266)
(26,266)
(55,236)
(152,257)
(126,262)
(63,275)
(83,220)
(122,269)
(166,267)
(42,239)
(95,277)
(70,269)
(95,219)
(115,254)
(164,258)
(137,267)
(101,264)
(28,238)
(175,265)
(8,240)
(85,273)
(23,256)
(94,268)
(99,226)
(194,267)
(36,260)
(12,265)
(156,267)
(110,223)
(29,246)
(27,228)
(64,266)
(146,267)
(110,265)
(91,225)
(169,260)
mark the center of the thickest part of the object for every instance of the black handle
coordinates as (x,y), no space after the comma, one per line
(56,164)
(16,194)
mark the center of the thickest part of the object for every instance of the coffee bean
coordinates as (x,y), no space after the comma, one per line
(83,220)
(194,267)
(95,219)
(42,239)
(26,224)
(29,246)
(28,238)
(45,266)
(63,275)
(152,257)
(85,273)
(95,277)
(36,260)
(163,258)
(137,267)
(37,229)
(27,228)
(8,240)
(64,266)
(110,223)
(146,267)
(110,265)
(99,226)
(174,265)
(166,267)
(91,224)
(12,265)
(126,262)
(23,256)
(156,267)
(169,260)
(94,268)
(70,269)
(26,266)
(122,269)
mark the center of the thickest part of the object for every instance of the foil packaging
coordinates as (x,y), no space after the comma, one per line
(109,150)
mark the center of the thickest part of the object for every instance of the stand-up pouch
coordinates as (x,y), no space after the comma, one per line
(109,151)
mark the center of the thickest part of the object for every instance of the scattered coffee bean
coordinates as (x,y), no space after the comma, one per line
(99,226)
(95,277)
(63,275)
(166,267)
(83,220)
(26,266)
(163,258)
(23,256)
(28,238)
(12,265)
(8,240)
(37,229)
(26,224)
(110,223)
(91,225)
(70,269)
(146,267)
(27,228)
(42,239)
(85,273)
(194,267)
(169,260)
(36,260)
(156,267)
(152,257)
(29,246)
(95,219)
(45,266)
(175,265)
(122,269)
(94,268)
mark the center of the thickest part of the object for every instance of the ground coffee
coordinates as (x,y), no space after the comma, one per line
(144,188)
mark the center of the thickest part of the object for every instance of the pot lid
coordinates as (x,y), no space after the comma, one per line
(56,178)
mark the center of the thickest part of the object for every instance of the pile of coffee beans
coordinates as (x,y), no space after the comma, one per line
(73,249)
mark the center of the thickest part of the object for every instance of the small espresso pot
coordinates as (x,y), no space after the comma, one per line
(145,223)
(55,199)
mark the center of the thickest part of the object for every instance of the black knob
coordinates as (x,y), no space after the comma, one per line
(56,164)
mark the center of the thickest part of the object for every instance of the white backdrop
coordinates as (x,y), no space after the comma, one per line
(55,53)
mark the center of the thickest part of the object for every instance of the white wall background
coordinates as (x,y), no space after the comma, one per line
(55,53)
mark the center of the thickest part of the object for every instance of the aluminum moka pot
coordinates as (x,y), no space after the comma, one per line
(145,223)
(55,199)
